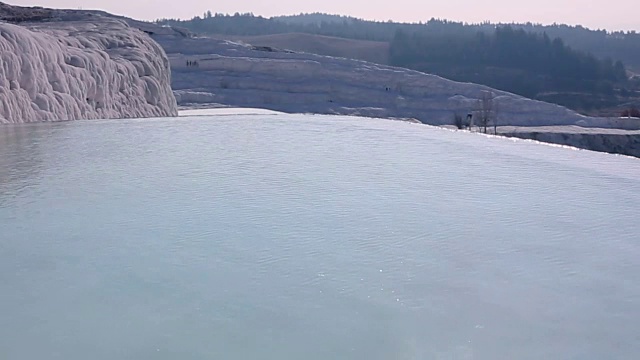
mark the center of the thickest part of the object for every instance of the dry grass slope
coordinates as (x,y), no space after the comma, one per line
(372,51)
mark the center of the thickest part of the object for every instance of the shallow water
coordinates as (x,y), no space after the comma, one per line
(315,237)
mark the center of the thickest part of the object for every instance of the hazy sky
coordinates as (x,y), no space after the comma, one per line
(595,14)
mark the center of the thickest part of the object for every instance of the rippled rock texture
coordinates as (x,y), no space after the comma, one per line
(65,65)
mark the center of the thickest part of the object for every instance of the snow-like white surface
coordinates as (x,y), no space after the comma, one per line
(238,75)
(227,112)
(98,68)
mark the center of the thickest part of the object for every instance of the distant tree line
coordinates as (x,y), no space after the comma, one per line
(247,24)
(514,60)
(618,45)
(632,112)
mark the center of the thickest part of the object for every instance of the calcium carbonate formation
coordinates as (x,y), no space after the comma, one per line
(94,68)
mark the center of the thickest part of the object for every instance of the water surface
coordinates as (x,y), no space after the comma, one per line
(312,237)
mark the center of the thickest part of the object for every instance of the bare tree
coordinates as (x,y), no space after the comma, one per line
(457,121)
(485,109)
(496,112)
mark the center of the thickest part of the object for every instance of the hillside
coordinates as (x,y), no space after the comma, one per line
(602,95)
(372,51)
(524,63)
(618,45)
(242,75)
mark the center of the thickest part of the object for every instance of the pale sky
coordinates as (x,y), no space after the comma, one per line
(610,14)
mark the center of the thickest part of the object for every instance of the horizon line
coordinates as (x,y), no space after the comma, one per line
(420,22)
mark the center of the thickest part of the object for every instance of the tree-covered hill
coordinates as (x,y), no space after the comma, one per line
(525,63)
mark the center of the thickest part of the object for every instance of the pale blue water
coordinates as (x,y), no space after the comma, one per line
(309,237)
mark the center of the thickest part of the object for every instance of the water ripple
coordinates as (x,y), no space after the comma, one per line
(287,236)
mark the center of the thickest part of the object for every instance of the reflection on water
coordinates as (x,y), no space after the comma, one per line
(290,237)
(20,156)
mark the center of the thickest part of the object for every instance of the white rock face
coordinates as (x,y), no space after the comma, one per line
(95,68)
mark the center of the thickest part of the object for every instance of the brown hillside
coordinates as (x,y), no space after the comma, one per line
(373,51)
